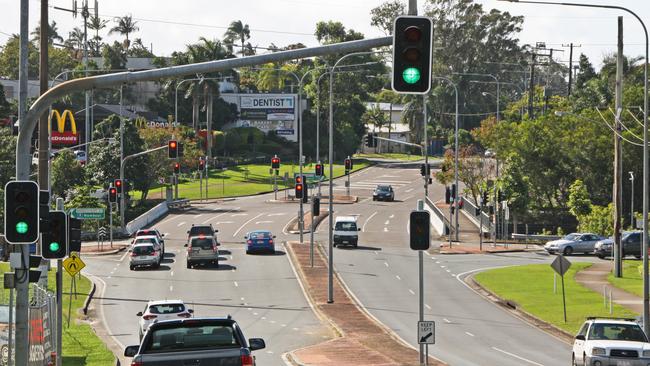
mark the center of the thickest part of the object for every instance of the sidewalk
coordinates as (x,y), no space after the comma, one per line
(595,277)
(362,340)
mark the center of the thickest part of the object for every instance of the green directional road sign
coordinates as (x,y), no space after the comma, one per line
(95,213)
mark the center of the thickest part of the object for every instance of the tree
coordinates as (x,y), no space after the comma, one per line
(52,34)
(125,26)
(97,24)
(75,39)
(374,117)
(67,173)
(579,202)
(114,56)
(237,31)
(383,16)
(586,71)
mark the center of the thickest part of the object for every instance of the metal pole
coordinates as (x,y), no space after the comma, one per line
(59,300)
(413,7)
(301,218)
(618,166)
(480,218)
(110,221)
(426,146)
(22,274)
(122,195)
(87,131)
(311,235)
(420,207)
(632,224)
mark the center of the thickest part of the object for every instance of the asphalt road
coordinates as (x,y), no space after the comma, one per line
(263,295)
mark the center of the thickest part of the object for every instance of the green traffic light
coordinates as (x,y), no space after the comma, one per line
(21,227)
(54,246)
(411,75)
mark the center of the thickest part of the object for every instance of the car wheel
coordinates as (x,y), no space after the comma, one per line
(637,256)
(248,252)
(600,256)
(584,359)
(132,267)
(189,265)
(573,360)
(567,251)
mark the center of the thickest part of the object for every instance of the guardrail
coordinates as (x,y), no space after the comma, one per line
(179,204)
(535,237)
(438,220)
(147,218)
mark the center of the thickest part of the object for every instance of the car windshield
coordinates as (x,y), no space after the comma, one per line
(345,226)
(143,249)
(166,308)
(145,240)
(203,243)
(383,188)
(260,235)
(190,337)
(617,332)
(571,237)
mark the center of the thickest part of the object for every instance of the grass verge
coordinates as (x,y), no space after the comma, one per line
(632,280)
(391,156)
(81,346)
(244,180)
(531,287)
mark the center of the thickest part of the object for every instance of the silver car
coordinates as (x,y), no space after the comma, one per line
(573,243)
(202,250)
(144,255)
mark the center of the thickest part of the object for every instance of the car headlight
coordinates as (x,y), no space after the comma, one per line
(646,353)
(597,351)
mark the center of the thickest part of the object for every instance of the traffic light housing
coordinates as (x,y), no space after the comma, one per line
(201,165)
(419,228)
(177,168)
(485,198)
(348,165)
(172,149)
(112,194)
(21,212)
(453,191)
(117,183)
(300,190)
(447,195)
(315,206)
(318,170)
(370,140)
(412,44)
(275,163)
(425,170)
(54,243)
(74,234)
(501,196)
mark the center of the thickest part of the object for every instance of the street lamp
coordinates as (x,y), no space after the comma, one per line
(496,80)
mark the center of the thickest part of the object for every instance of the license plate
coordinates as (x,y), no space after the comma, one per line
(143,257)
(345,241)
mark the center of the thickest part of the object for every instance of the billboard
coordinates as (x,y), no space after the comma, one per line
(60,136)
(268,107)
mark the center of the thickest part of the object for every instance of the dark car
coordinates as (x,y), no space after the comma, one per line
(194,341)
(383,193)
(260,240)
(201,230)
(631,245)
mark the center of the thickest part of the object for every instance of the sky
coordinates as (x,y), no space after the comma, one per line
(167,26)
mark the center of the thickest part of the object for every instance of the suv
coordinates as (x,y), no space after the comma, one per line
(346,231)
(150,239)
(144,255)
(161,310)
(610,341)
(631,245)
(202,249)
(205,341)
(206,230)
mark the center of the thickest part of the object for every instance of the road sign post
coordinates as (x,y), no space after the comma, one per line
(426,336)
(561,265)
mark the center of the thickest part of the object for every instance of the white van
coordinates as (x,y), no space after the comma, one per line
(346,231)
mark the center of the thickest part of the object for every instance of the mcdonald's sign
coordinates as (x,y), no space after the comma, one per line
(142,122)
(60,136)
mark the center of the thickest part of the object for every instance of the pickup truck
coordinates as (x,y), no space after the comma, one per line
(195,341)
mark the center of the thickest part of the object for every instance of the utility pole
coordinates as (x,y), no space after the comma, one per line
(571,46)
(618,166)
(531,90)
(43,130)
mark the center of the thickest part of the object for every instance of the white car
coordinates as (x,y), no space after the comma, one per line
(150,239)
(607,341)
(162,310)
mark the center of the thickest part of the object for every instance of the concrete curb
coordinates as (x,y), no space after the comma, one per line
(294,223)
(513,309)
(110,252)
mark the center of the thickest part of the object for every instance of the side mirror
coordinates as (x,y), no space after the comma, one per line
(139,313)
(358,229)
(188,231)
(163,235)
(191,311)
(185,244)
(580,337)
(131,351)
(274,236)
(246,237)
(256,343)
(216,231)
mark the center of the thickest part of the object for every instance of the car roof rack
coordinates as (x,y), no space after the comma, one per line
(229,317)
(611,318)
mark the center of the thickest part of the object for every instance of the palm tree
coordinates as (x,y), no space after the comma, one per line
(75,39)
(125,26)
(52,34)
(237,31)
(97,24)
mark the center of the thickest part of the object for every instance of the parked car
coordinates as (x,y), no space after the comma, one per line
(144,255)
(383,193)
(202,249)
(161,310)
(80,156)
(260,241)
(346,231)
(631,245)
(573,243)
(204,341)
(206,230)
(610,341)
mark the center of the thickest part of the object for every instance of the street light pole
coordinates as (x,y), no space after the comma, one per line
(646,172)
(632,203)
(496,80)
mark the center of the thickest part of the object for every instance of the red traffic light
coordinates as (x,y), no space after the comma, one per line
(319,169)
(172,149)
(118,185)
(298,180)
(112,194)
(172,144)
(412,34)
(275,163)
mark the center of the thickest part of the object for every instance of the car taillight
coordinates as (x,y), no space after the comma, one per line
(154,253)
(184,315)
(249,242)
(215,249)
(270,241)
(133,254)
(149,317)
(137,363)
(246,359)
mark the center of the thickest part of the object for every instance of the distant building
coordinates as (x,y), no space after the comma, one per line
(396,131)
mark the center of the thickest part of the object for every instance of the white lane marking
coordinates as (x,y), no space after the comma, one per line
(171,288)
(409,190)
(239,214)
(385,229)
(224,222)
(255,314)
(263,318)
(442,266)
(219,215)
(171,273)
(277,214)
(197,216)
(391,216)
(296,329)
(437,262)
(236,284)
(469,334)
(363,228)
(448,270)
(407,198)
(408,226)
(242,299)
(411,291)
(283,325)
(427,306)
(246,223)
(398,277)
(434,258)
(517,357)
(181,224)
(386,263)
(269,352)
(446,320)
(387,222)
(263,222)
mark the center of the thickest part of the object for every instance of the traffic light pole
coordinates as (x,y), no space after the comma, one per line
(59,299)
(425,151)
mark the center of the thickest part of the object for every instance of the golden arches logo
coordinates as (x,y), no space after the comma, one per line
(61,119)
(141,122)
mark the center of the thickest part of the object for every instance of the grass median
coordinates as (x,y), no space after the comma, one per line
(81,346)
(389,156)
(631,281)
(243,180)
(531,287)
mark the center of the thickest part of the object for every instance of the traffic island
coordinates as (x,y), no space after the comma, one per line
(361,339)
(293,224)
(339,200)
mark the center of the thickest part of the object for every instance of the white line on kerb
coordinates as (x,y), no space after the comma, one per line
(469,334)
(517,357)
(181,224)
(446,320)
(427,306)
(411,291)
(398,277)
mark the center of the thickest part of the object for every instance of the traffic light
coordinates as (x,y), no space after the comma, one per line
(453,191)
(419,226)
(485,198)
(74,235)
(369,140)
(201,165)
(21,212)
(54,241)
(319,170)
(447,195)
(112,194)
(348,165)
(172,149)
(275,163)
(412,43)
(117,183)
(299,190)
(177,168)
(425,170)
(315,206)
